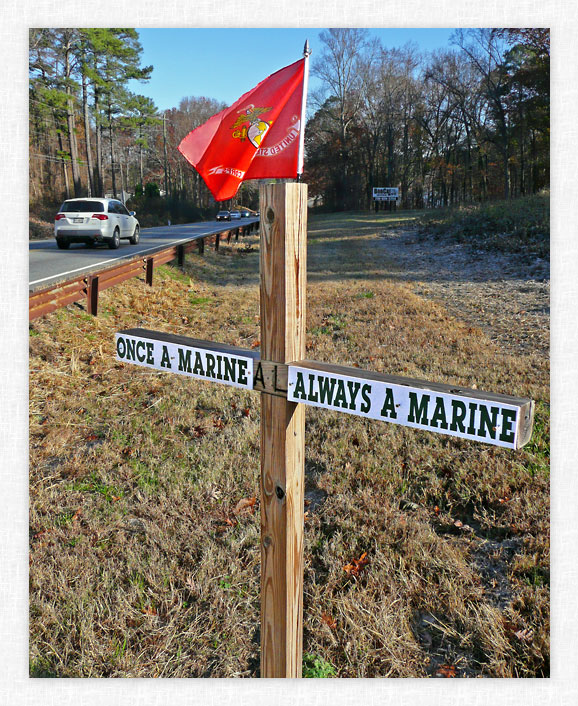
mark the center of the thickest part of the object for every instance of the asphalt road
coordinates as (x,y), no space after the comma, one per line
(49,265)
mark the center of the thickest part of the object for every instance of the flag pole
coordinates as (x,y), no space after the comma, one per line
(300,159)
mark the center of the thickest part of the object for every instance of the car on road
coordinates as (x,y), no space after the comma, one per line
(235,215)
(245,213)
(95,221)
(223,216)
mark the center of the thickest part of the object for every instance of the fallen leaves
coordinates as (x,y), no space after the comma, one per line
(460,525)
(245,505)
(448,671)
(357,565)
(329,621)
(525,635)
(218,423)
(40,534)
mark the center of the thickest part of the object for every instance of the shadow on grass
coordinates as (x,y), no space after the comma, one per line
(342,246)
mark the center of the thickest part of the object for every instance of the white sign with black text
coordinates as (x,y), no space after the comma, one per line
(385,193)
(487,420)
(197,361)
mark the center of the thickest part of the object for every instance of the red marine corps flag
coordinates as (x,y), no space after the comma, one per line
(259,136)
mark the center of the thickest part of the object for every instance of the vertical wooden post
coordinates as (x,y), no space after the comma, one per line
(149,271)
(92,295)
(181,255)
(283,281)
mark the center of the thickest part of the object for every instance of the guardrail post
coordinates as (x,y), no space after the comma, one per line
(217,239)
(92,295)
(149,271)
(181,255)
(201,245)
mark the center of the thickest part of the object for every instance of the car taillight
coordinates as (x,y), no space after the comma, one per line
(59,216)
(100,216)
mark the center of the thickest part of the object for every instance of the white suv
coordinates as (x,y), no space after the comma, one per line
(91,221)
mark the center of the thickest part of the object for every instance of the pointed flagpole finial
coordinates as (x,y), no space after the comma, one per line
(306,50)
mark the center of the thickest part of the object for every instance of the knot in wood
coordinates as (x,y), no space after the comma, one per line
(270,215)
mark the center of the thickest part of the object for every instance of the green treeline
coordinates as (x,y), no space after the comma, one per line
(91,135)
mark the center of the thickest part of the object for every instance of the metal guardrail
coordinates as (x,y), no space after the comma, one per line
(46,300)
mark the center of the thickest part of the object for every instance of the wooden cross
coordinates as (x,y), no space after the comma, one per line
(289,382)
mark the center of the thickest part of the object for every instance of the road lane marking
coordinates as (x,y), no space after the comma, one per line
(103,262)
(140,252)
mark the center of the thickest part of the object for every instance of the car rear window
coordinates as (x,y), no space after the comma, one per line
(82,207)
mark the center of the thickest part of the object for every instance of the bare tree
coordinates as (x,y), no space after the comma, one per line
(485,50)
(339,67)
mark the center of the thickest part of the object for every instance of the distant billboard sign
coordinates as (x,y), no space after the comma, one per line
(385,193)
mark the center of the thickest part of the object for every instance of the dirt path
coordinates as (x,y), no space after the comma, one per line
(507,298)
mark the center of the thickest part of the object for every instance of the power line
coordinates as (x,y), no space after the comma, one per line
(59,160)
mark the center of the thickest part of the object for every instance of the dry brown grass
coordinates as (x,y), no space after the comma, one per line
(139,565)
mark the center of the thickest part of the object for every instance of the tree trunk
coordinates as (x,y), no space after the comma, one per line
(111,152)
(122,178)
(140,165)
(98,176)
(64,170)
(506,169)
(165,154)
(71,127)
(90,166)
(390,156)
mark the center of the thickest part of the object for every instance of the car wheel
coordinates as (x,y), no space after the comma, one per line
(62,244)
(115,242)
(135,236)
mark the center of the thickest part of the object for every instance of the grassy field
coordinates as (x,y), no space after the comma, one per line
(144,487)
(520,226)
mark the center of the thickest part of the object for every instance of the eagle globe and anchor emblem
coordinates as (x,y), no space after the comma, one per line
(251,126)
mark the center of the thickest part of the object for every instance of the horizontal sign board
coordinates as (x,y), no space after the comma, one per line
(197,359)
(385,193)
(204,360)
(492,418)
(470,414)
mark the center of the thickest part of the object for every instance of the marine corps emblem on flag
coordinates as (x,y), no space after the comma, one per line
(249,125)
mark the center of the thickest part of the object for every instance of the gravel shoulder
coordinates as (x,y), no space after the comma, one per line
(503,294)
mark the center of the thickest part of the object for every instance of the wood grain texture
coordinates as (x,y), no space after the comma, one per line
(283,279)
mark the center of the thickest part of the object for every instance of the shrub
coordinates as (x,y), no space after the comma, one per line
(518,225)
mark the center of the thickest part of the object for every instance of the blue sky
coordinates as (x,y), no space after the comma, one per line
(225,63)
